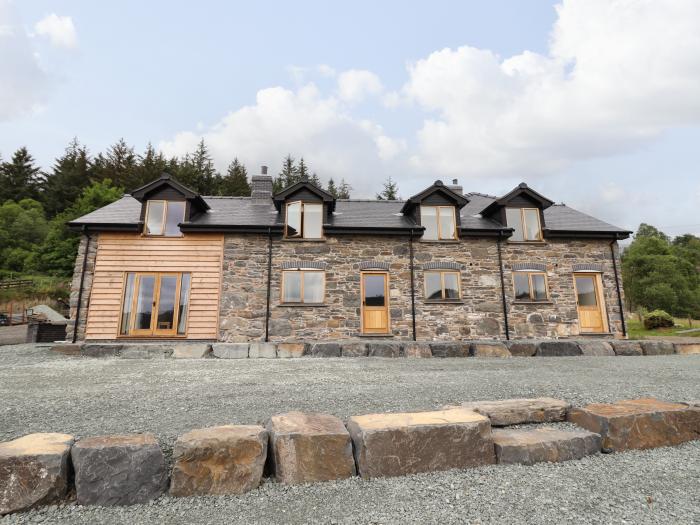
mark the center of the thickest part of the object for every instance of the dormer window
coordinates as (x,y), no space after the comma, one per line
(439,222)
(163,217)
(304,220)
(525,223)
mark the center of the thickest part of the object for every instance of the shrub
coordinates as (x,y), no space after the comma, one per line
(658,319)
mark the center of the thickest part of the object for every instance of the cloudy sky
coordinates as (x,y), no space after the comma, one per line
(595,103)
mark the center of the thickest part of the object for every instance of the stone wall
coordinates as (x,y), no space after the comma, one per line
(478,315)
(87,287)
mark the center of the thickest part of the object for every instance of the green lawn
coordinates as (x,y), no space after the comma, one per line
(636,329)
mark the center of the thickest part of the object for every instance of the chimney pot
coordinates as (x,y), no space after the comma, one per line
(455,182)
(263,170)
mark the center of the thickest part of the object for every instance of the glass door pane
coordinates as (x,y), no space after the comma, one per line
(374,290)
(144,302)
(585,288)
(167,297)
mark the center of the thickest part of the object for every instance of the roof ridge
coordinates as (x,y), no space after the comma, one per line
(482,194)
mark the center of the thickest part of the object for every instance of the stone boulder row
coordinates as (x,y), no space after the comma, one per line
(230,350)
(100,350)
(519,411)
(33,471)
(290,350)
(449,349)
(687,348)
(538,445)
(626,348)
(219,460)
(596,348)
(118,469)
(409,443)
(639,423)
(488,349)
(382,349)
(324,350)
(191,350)
(262,351)
(353,349)
(417,350)
(307,447)
(558,349)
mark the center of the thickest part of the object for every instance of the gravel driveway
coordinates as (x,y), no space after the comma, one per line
(43,392)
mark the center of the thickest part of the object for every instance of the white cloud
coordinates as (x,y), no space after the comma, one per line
(59,30)
(24,84)
(355,85)
(618,73)
(299,122)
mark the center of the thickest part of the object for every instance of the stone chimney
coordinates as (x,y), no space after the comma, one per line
(261,187)
(456,187)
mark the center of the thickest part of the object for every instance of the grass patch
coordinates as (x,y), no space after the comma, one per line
(636,330)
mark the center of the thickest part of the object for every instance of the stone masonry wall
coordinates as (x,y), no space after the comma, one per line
(87,287)
(478,315)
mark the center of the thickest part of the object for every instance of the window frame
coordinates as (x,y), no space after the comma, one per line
(302,235)
(443,299)
(439,225)
(163,219)
(151,331)
(301,302)
(531,299)
(523,225)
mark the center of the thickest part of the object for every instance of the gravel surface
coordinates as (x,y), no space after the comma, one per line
(44,392)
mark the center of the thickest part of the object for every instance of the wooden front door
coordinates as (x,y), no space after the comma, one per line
(589,303)
(375,303)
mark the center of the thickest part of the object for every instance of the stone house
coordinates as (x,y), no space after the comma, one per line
(166,263)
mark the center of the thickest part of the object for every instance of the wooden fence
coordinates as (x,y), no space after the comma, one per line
(13,314)
(15,283)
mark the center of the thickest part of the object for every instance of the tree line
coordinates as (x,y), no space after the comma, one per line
(36,204)
(662,273)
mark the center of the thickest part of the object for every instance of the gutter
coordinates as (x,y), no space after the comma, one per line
(503,288)
(413,284)
(82,284)
(617,287)
(582,234)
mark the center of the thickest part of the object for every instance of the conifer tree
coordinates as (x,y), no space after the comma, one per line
(344,190)
(70,174)
(20,178)
(302,170)
(120,165)
(286,176)
(332,188)
(152,164)
(235,183)
(390,191)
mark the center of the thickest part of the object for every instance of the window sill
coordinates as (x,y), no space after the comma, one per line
(375,336)
(302,305)
(163,236)
(285,239)
(439,241)
(443,301)
(536,243)
(533,302)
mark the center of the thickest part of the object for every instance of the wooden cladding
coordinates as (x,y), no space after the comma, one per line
(118,254)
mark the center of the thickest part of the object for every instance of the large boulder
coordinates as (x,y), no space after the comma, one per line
(639,423)
(219,460)
(262,350)
(519,411)
(230,350)
(384,349)
(488,349)
(657,347)
(687,348)
(101,349)
(72,349)
(287,350)
(417,350)
(354,349)
(528,446)
(558,349)
(191,350)
(33,471)
(306,447)
(626,348)
(449,349)
(118,470)
(409,443)
(596,348)
(324,350)
(147,351)
(522,348)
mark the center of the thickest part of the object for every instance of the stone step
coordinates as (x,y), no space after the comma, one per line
(518,411)
(409,443)
(639,423)
(538,445)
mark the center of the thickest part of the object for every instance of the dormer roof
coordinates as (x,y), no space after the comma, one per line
(307,187)
(521,190)
(438,187)
(166,181)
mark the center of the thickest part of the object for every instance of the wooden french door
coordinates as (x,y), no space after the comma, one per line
(155,307)
(589,301)
(375,302)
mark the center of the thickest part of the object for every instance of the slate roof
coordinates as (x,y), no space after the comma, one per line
(349,214)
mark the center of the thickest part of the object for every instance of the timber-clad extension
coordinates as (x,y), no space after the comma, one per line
(167,263)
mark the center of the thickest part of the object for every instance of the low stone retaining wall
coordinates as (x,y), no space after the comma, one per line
(301,447)
(379,348)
